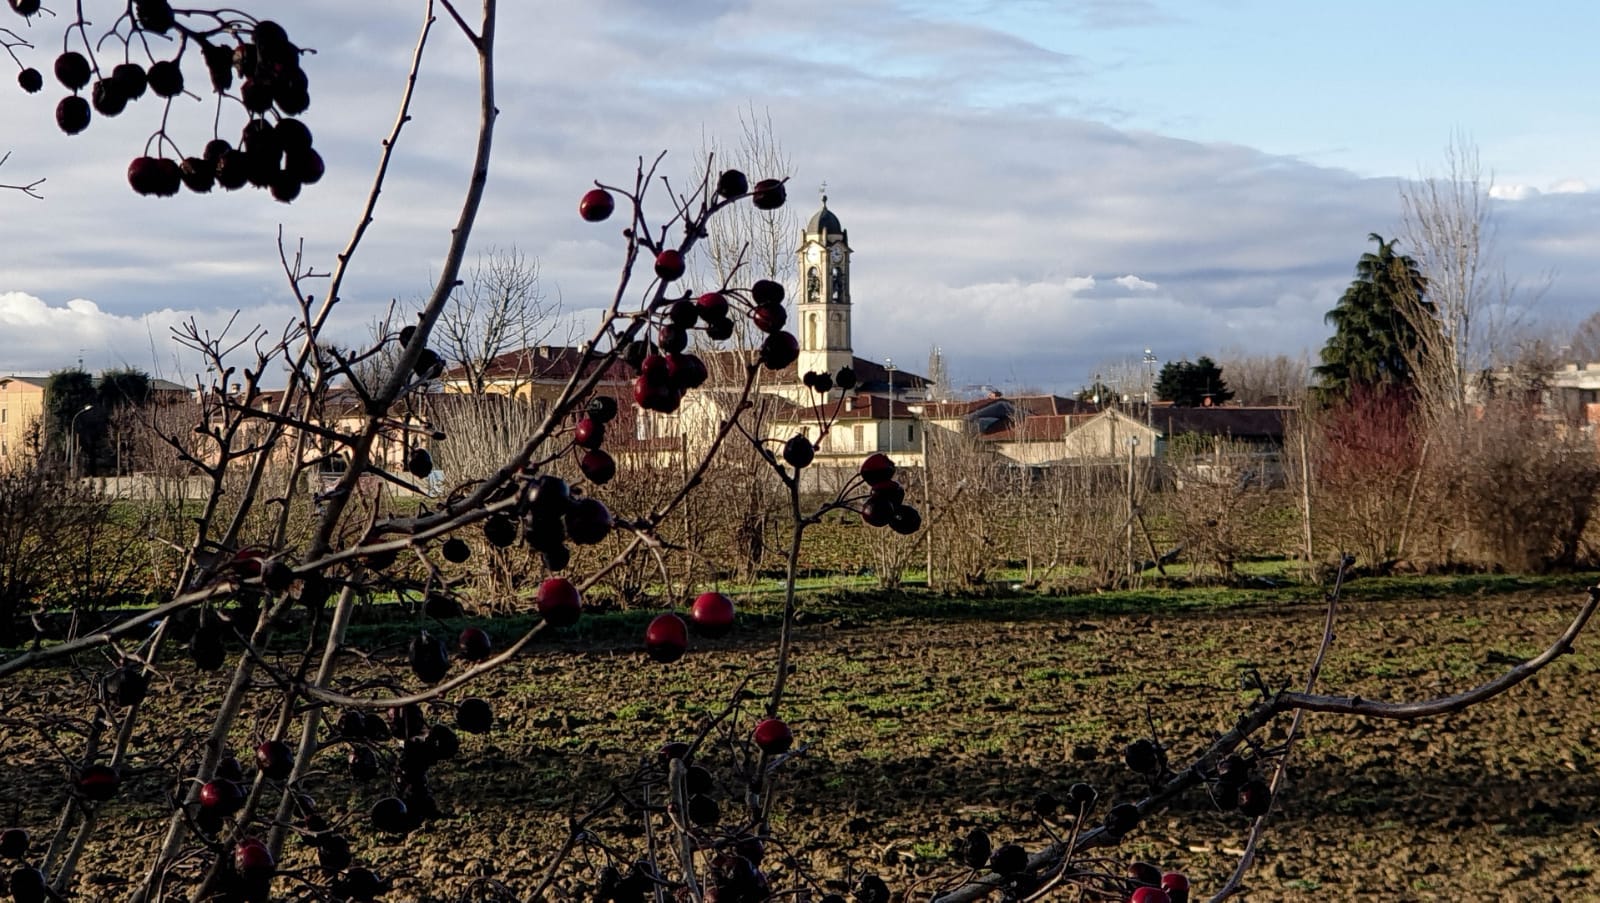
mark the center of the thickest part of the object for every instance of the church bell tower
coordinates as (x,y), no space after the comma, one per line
(824,298)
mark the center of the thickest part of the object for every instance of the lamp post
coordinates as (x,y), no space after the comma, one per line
(1149,384)
(888,366)
(72,441)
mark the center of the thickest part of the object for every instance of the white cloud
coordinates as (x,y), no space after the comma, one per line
(1570,186)
(970,197)
(1512,192)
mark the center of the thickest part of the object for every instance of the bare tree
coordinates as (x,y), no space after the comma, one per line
(501,309)
(762,241)
(1260,379)
(1463,321)
(1585,342)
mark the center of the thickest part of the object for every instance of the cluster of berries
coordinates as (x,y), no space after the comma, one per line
(274,149)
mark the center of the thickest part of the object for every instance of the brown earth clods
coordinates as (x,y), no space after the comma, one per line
(917,731)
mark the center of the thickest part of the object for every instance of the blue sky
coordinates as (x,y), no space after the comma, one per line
(1043,189)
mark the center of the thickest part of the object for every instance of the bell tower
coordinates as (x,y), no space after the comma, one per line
(823,304)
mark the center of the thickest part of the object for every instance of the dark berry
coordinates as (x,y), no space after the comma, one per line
(765,291)
(154,15)
(72,70)
(779,350)
(1255,798)
(233,170)
(1010,859)
(798,452)
(1144,756)
(602,408)
(455,550)
(474,716)
(108,98)
(732,184)
(769,194)
(977,850)
(30,80)
(130,79)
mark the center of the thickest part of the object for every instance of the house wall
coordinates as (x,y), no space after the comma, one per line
(21,406)
(1107,437)
(1032,451)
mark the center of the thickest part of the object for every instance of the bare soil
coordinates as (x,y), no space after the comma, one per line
(919,730)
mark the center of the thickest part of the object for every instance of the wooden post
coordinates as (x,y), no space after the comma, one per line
(1133,446)
(1305,498)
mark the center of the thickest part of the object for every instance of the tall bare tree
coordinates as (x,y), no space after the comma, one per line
(762,241)
(500,309)
(1450,230)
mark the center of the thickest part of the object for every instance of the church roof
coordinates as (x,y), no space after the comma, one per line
(824,222)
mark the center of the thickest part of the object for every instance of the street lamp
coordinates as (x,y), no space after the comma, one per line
(72,440)
(888,366)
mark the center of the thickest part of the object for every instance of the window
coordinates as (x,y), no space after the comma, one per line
(2,415)
(859,436)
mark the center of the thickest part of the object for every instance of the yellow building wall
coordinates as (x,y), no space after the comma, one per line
(21,406)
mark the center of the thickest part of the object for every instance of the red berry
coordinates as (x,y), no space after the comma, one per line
(558,602)
(877,468)
(596,205)
(666,638)
(221,796)
(1145,874)
(252,859)
(589,433)
(772,736)
(98,782)
(475,644)
(1149,895)
(712,306)
(588,521)
(712,614)
(1176,884)
(669,265)
(685,372)
(597,466)
(769,317)
(878,512)
(275,759)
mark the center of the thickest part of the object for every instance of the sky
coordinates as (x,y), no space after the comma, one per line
(1040,188)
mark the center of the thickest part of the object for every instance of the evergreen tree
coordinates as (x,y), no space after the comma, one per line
(66,394)
(1189,385)
(1373,340)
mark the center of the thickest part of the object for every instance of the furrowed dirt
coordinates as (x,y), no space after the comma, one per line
(917,731)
